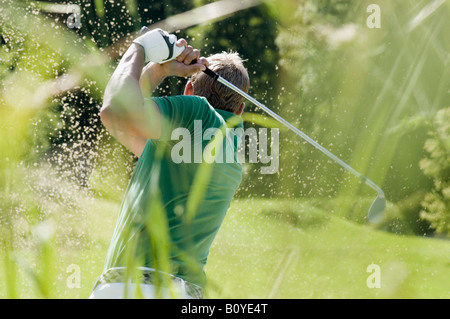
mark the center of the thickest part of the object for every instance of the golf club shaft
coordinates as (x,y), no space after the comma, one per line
(296,131)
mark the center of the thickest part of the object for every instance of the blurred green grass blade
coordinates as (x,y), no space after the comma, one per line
(99,8)
(262,120)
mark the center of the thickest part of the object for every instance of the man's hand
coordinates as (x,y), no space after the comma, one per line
(154,73)
(182,66)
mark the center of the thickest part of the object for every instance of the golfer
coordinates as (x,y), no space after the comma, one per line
(158,248)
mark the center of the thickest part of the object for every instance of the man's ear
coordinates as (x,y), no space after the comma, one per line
(189,88)
(241,109)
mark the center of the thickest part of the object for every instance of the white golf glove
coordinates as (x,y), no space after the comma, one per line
(159,46)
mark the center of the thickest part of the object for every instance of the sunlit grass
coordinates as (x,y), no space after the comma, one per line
(293,249)
(266,249)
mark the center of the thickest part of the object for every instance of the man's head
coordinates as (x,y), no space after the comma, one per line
(230,67)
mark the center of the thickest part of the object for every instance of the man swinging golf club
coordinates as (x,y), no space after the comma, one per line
(145,125)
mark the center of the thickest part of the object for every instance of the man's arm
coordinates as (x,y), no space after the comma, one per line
(125,113)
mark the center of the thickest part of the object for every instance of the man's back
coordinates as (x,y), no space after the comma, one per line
(164,176)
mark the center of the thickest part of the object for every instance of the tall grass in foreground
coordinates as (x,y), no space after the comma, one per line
(40,210)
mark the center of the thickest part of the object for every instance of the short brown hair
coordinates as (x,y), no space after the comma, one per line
(229,66)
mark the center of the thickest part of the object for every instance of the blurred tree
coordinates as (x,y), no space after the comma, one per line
(436,204)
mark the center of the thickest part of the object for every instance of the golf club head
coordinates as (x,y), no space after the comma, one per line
(376,210)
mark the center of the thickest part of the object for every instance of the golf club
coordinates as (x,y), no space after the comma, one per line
(376,210)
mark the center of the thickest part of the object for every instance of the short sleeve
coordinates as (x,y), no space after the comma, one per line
(181,111)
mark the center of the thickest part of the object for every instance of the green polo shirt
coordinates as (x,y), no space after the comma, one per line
(175,203)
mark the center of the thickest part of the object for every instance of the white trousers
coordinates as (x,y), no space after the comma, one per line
(145,291)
